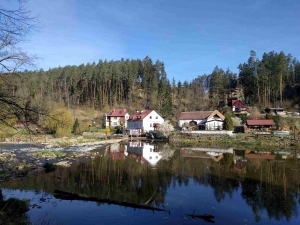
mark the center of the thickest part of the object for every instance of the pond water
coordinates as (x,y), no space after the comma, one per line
(151,183)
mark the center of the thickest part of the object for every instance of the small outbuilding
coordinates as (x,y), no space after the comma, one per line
(275,111)
(260,125)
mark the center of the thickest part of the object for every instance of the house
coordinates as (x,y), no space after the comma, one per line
(237,106)
(143,121)
(117,117)
(198,154)
(204,120)
(275,111)
(266,156)
(145,152)
(264,125)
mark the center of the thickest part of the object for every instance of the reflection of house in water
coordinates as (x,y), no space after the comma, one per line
(116,151)
(144,152)
(239,159)
(260,155)
(206,153)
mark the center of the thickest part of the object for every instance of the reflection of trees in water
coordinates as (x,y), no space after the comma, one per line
(265,185)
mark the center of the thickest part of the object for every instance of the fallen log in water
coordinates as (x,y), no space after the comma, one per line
(206,217)
(65,195)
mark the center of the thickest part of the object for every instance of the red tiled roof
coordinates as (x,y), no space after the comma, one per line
(233,102)
(197,115)
(260,156)
(260,122)
(140,115)
(117,112)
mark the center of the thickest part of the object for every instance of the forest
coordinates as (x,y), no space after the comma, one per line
(272,81)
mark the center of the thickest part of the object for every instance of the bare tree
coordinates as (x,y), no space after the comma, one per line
(16,24)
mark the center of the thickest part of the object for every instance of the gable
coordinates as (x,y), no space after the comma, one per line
(216,113)
(238,103)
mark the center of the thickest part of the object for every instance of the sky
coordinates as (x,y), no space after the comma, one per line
(191,37)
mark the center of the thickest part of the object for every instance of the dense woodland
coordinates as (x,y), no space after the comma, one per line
(273,80)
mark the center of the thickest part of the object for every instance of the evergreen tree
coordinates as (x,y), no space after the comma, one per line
(228,124)
(76,125)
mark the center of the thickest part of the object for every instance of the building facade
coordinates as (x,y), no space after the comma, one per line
(143,122)
(115,118)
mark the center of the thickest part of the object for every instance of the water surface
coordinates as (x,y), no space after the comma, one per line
(235,186)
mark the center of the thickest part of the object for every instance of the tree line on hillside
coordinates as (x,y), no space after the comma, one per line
(142,84)
(273,80)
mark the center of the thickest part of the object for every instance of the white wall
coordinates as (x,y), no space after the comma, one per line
(181,122)
(214,123)
(149,154)
(150,119)
(147,124)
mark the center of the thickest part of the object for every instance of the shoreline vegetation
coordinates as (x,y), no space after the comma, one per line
(175,139)
(241,140)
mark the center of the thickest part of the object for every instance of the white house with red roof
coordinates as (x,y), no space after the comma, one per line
(204,120)
(143,122)
(237,106)
(117,117)
(145,152)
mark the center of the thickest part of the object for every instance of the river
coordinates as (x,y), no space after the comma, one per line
(190,185)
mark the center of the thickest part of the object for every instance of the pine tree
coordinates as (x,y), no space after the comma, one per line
(228,124)
(75,129)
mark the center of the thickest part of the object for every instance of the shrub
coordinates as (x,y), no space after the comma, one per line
(76,127)
(166,128)
(49,167)
(60,123)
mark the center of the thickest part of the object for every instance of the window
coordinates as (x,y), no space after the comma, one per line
(150,117)
(115,123)
(156,117)
(150,149)
(150,124)
(115,118)
(150,157)
(157,157)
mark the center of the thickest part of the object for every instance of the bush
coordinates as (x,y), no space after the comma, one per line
(76,127)
(119,130)
(166,128)
(49,167)
(60,123)
(275,118)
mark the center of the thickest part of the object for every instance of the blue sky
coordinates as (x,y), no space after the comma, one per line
(191,37)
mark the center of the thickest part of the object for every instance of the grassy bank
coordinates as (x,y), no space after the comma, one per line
(243,140)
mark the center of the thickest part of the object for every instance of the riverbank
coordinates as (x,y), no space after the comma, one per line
(41,149)
(238,140)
